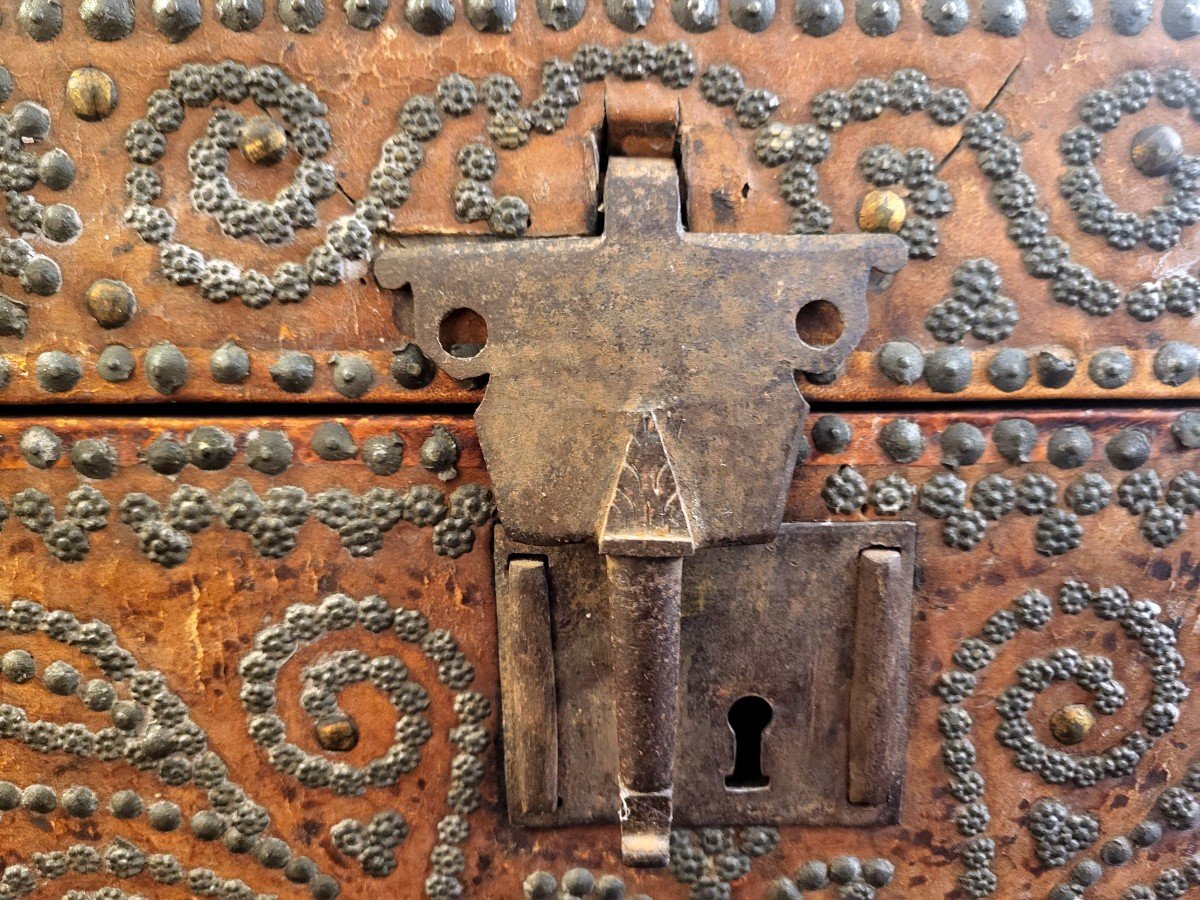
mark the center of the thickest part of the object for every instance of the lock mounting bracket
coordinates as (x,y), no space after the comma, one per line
(816,623)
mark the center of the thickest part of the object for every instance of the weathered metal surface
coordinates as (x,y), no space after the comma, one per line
(879,690)
(790,621)
(645,535)
(967,212)
(527,687)
(640,121)
(643,601)
(647,512)
(667,403)
(698,328)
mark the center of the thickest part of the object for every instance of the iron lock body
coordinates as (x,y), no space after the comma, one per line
(669,405)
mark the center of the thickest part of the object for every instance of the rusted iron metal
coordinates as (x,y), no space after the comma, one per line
(643,598)
(793,622)
(660,416)
(879,689)
(586,335)
(527,687)
(641,122)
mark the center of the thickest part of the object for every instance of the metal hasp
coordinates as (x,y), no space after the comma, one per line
(642,396)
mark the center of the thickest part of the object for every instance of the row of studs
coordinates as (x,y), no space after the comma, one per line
(167,369)
(211,448)
(113,20)
(964,444)
(949,370)
(946,370)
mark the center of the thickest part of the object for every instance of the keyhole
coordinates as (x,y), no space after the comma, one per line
(748,719)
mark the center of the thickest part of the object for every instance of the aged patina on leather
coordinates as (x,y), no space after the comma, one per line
(402,398)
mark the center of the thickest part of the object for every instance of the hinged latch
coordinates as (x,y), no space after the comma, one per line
(642,399)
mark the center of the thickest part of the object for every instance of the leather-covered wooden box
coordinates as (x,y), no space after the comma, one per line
(279,618)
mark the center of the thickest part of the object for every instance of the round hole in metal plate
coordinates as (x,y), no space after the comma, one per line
(463,333)
(819,323)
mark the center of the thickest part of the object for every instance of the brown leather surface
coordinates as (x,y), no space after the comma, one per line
(1035,80)
(195,622)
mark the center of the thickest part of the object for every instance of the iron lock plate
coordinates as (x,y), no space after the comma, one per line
(816,622)
(642,396)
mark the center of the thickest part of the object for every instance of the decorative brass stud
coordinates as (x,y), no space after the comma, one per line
(263,141)
(338,733)
(111,303)
(1072,723)
(1156,149)
(91,93)
(881,211)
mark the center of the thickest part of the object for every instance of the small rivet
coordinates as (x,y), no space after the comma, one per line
(115,364)
(56,170)
(1054,371)
(229,364)
(333,442)
(1069,447)
(111,303)
(881,211)
(901,440)
(31,121)
(948,370)
(262,140)
(166,368)
(1156,149)
(1110,368)
(1008,370)
(962,445)
(1072,723)
(91,93)
(1128,449)
(1146,834)
(1186,429)
(337,733)
(902,362)
(831,434)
